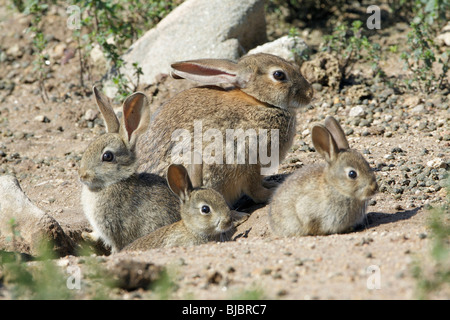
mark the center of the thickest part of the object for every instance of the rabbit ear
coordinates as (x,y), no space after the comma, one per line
(209,71)
(111,121)
(336,131)
(136,117)
(179,182)
(196,170)
(324,143)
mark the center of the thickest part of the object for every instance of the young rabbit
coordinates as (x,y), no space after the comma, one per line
(324,199)
(265,92)
(121,204)
(205,216)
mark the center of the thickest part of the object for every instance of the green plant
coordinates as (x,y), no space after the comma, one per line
(19,5)
(393,48)
(299,55)
(434,276)
(39,280)
(164,287)
(350,45)
(421,57)
(253,293)
(36,9)
(114,25)
(433,12)
(14,233)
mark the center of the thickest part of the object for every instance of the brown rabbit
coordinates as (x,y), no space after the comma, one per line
(324,199)
(205,216)
(265,92)
(120,203)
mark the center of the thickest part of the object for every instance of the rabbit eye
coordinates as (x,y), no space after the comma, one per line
(108,156)
(352,174)
(279,75)
(205,209)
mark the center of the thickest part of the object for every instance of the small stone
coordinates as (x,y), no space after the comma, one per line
(14,51)
(444,37)
(422,126)
(336,100)
(437,163)
(397,150)
(42,118)
(377,130)
(420,108)
(299,262)
(266,271)
(364,123)
(357,111)
(231,269)
(317,87)
(422,236)
(305,132)
(90,115)
(282,292)
(412,101)
(277,275)
(58,51)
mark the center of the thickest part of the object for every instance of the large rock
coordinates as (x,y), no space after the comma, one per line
(198,29)
(29,224)
(287,47)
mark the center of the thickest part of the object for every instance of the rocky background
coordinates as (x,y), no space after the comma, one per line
(48,117)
